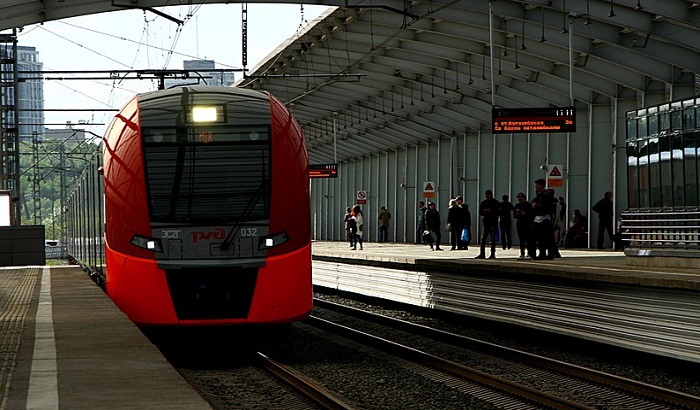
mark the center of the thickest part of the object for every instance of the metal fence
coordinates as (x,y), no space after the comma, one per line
(55,252)
(661,229)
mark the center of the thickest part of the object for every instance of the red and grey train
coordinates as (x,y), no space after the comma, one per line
(206,210)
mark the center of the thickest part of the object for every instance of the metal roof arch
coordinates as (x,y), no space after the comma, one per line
(443,48)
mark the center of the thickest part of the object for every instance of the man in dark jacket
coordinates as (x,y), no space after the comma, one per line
(505,221)
(604,209)
(432,224)
(384,217)
(465,222)
(488,210)
(524,215)
(543,206)
(420,226)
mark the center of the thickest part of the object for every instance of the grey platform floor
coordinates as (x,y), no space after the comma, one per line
(65,345)
(583,264)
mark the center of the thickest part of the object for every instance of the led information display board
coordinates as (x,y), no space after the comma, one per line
(526,120)
(323,171)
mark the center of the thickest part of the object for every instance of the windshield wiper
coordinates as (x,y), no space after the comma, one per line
(177,182)
(250,206)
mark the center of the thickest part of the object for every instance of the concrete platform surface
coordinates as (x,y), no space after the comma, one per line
(74,349)
(575,264)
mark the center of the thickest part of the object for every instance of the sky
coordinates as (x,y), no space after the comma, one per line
(136,39)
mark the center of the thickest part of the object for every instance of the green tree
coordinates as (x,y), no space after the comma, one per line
(48,170)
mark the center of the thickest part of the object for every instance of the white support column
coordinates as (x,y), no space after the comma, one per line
(529,156)
(494,158)
(437,176)
(465,175)
(623,105)
(600,158)
(510,168)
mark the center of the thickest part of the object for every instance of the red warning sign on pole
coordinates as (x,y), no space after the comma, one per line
(555,176)
(429,189)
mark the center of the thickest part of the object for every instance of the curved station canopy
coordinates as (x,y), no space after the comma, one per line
(399,73)
(373,76)
(402,97)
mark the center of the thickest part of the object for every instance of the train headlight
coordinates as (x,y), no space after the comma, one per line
(206,113)
(269,241)
(203,114)
(151,244)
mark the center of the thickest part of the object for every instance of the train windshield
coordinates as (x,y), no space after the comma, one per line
(214,173)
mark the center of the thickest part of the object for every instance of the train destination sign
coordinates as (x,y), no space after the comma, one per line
(526,120)
(323,171)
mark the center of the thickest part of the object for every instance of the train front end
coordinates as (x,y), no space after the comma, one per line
(207,209)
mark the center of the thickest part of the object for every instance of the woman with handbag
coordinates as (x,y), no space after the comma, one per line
(360,221)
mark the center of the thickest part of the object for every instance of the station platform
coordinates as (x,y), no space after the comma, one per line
(65,345)
(575,264)
(586,294)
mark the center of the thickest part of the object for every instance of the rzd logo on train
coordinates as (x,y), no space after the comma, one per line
(218,233)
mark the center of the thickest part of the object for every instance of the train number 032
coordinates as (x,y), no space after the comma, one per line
(249,231)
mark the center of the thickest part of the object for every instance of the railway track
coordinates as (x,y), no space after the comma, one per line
(228,370)
(301,385)
(337,360)
(543,382)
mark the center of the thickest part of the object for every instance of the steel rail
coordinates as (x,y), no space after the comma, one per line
(490,381)
(303,386)
(658,394)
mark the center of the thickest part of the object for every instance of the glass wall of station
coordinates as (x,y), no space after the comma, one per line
(663,143)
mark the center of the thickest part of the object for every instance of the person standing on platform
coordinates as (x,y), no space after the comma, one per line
(604,209)
(360,220)
(559,223)
(347,220)
(542,236)
(384,217)
(466,220)
(505,222)
(488,210)
(524,215)
(553,250)
(432,223)
(454,222)
(420,227)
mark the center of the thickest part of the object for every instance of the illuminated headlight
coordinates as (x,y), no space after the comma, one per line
(273,240)
(204,114)
(151,244)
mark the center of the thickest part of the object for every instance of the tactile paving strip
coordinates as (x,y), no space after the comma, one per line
(16,289)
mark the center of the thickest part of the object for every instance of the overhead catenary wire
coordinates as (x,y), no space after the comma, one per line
(85,47)
(140,42)
(178,32)
(115,84)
